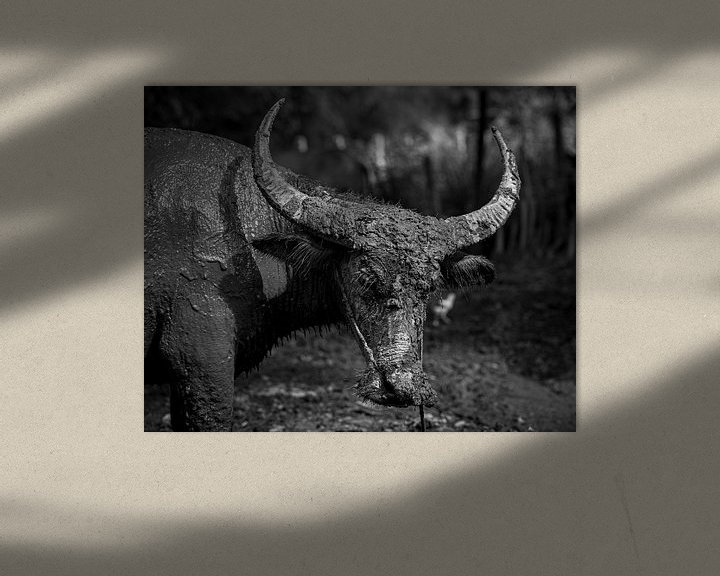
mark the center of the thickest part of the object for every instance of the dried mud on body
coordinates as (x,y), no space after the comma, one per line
(506,362)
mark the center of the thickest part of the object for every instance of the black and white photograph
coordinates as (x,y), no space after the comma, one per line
(359,258)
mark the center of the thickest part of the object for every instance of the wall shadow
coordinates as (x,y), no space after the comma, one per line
(71,202)
(633,494)
(540,33)
(634,200)
(635,491)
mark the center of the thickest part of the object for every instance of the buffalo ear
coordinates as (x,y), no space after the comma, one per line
(302,253)
(462,270)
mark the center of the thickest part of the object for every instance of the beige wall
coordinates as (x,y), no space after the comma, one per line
(84,491)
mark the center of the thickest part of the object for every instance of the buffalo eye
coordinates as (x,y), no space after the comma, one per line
(369,282)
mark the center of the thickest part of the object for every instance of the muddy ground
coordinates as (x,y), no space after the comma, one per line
(506,362)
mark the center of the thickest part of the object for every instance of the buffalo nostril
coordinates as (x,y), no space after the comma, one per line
(388,385)
(398,382)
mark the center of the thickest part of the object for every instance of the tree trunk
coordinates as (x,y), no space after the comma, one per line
(431,183)
(561,220)
(482,122)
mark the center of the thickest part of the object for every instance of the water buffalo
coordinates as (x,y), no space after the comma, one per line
(240,253)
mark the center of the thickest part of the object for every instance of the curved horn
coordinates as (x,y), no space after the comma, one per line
(480,224)
(314,213)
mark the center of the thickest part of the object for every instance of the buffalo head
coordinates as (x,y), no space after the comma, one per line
(383,262)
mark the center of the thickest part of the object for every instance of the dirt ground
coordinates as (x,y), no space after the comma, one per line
(506,362)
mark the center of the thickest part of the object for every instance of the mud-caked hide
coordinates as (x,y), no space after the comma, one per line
(239,253)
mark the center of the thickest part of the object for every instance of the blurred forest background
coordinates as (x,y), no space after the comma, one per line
(427,148)
(506,362)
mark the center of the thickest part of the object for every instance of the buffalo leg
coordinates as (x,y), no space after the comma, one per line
(177,408)
(198,344)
